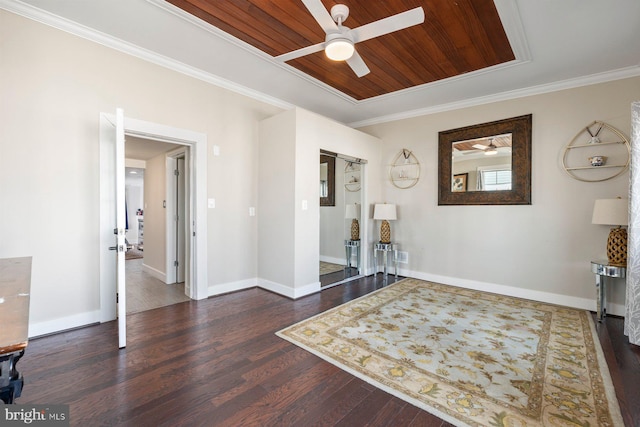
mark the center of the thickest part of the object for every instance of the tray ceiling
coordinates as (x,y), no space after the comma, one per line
(440,65)
(456,37)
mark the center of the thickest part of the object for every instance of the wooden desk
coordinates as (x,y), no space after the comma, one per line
(15,286)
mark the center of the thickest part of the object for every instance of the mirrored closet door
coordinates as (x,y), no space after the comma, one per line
(341,190)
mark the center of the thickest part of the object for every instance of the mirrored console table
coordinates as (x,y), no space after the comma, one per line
(350,246)
(603,269)
(385,248)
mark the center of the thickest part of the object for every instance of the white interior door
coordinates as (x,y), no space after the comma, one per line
(121,212)
(112,222)
(120,230)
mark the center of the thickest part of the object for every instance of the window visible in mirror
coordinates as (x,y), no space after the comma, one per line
(324,183)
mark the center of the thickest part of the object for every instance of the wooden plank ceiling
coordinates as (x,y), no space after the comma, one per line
(458,36)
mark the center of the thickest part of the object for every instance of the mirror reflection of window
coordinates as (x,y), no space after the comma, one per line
(485,161)
(324,183)
(494,178)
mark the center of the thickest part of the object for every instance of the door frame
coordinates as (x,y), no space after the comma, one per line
(171,254)
(198,272)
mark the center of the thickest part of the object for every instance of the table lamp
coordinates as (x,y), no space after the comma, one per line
(353,213)
(385,212)
(614,212)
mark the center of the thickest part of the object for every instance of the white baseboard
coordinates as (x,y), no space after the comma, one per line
(548,297)
(239,285)
(287,291)
(155,273)
(88,318)
(268,285)
(63,323)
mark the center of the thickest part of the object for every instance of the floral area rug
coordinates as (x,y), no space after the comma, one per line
(471,358)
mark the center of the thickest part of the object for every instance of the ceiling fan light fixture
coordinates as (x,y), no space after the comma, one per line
(491,151)
(339,48)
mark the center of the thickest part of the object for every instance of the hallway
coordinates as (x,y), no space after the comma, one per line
(145,292)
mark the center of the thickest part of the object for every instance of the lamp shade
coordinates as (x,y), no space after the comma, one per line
(611,212)
(352,211)
(385,212)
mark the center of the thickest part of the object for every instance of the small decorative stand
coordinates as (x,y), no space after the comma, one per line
(597,153)
(404,171)
(350,246)
(603,269)
(385,248)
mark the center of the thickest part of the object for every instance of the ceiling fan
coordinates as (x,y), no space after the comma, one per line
(491,149)
(340,40)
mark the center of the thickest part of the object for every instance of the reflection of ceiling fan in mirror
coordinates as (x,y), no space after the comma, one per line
(489,150)
(496,145)
(340,40)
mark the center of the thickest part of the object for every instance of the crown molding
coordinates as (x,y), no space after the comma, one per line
(63,24)
(622,73)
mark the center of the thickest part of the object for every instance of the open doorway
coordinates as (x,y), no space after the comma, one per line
(155,194)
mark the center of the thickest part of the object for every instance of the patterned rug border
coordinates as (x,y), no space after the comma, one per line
(613,405)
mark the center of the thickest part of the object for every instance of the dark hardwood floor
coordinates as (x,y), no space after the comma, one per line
(218,362)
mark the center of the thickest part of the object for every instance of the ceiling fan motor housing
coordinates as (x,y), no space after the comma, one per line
(339,13)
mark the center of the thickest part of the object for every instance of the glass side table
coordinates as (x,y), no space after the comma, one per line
(385,248)
(603,269)
(349,247)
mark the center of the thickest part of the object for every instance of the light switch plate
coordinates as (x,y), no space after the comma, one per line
(252,211)
(211,203)
(305,205)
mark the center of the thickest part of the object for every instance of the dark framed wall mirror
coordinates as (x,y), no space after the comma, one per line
(486,164)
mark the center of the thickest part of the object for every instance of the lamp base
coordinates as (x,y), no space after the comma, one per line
(385,232)
(355,230)
(617,247)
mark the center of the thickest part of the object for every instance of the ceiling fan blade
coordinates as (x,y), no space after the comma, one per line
(321,15)
(480,146)
(357,65)
(388,25)
(301,52)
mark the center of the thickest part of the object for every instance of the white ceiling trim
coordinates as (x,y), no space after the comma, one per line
(622,73)
(90,34)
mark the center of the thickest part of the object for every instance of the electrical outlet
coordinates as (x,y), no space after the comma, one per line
(403,257)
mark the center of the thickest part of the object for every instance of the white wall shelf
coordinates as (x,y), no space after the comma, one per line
(404,171)
(597,139)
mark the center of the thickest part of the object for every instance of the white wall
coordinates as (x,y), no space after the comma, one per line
(289,241)
(53,86)
(542,251)
(276,198)
(319,132)
(155,217)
